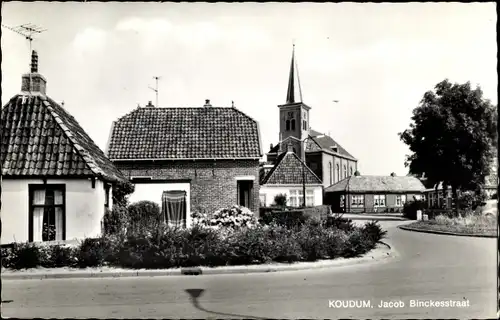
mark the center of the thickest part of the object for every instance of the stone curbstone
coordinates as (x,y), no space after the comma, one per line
(447,233)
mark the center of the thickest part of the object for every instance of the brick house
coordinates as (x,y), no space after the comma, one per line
(326,157)
(373,193)
(56,182)
(188,159)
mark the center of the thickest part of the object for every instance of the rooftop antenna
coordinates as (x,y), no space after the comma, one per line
(27,30)
(156,90)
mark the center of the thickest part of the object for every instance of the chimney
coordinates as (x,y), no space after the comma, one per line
(207,103)
(34,82)
(290,147)
(271,147)
(150,105)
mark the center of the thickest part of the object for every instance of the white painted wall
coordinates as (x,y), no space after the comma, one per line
(84,208)
(270,191)
(153,192)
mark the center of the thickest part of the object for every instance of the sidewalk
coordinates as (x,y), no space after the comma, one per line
(379,254)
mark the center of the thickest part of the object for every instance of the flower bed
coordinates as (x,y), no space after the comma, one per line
(230,237)
(471,225)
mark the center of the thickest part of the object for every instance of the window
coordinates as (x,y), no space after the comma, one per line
(296,198)
(47,213)
(309,198)
(345,171)
(304,122)
(351,172)
(331,173)
(358,200)
(293,124)
(262,198)
(379,200)
(106,195)
(338,172)
(400,200)
(288,125)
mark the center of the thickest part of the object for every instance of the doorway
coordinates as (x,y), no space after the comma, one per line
(245,188)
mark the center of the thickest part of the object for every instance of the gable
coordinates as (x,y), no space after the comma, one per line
(289,170)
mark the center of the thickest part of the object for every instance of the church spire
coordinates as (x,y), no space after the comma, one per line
(290,95)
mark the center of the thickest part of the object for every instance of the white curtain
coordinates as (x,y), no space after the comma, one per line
(38,199)
(174,208)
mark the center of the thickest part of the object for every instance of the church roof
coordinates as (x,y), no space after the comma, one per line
(184,133)
(320,142)
(288,171)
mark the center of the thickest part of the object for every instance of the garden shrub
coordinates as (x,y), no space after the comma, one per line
(24,256)
(289,219)
(92,252)
(410,209)
(234,217)
(56,256)
(281,200)
(337,221)
(116,220)
(374,232)
(144,217)
(319,212)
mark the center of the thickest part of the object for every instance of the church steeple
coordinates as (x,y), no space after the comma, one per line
(290,95)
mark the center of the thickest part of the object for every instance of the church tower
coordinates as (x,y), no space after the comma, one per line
(294,114)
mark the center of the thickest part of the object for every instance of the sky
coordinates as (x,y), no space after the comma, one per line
(377,60)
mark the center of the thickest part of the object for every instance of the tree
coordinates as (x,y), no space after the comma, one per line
(451,137)
(120,192)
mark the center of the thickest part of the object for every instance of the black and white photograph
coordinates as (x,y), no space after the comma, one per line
(274,160)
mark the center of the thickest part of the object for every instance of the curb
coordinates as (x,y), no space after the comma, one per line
(378,254)
(446,233)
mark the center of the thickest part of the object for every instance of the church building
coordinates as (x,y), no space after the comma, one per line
(320,153)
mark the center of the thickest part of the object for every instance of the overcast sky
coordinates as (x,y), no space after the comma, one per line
(376,59)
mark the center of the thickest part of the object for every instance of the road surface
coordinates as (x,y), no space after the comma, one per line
(429,267)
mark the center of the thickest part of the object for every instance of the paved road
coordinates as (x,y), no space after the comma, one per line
(429,267)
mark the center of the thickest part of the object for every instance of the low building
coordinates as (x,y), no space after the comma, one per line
(373,193)
(56,182)
(290,176)
(189,159)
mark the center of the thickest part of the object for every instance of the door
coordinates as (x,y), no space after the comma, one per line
(245,193)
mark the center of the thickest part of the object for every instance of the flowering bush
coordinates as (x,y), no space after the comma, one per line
(234,217)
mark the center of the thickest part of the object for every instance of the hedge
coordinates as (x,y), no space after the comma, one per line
(199,246)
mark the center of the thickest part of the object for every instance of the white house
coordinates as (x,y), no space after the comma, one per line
(290,176)
(56,182)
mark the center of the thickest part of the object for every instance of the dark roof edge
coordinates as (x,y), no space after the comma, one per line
(184,159)
(108,143)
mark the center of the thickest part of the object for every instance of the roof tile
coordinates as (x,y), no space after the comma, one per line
(184,133)
(40,138)
(289,170)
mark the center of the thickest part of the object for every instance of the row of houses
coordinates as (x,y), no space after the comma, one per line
(57,183)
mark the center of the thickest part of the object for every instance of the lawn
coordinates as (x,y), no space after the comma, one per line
(471,225)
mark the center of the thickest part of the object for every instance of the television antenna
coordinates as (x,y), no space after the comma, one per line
(27,30)
(156,89)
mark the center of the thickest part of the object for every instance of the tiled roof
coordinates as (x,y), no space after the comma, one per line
(326,142)
(288,170)
(318,142)
(184,133)
(387,184)
(40,138)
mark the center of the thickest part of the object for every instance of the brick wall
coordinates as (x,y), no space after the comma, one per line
(213,183)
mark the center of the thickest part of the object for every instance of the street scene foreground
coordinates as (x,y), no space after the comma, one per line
(433,276)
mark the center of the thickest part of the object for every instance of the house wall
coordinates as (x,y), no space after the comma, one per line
(154,191)
(270,191)
(332,198)
(84,208)
(213,184)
